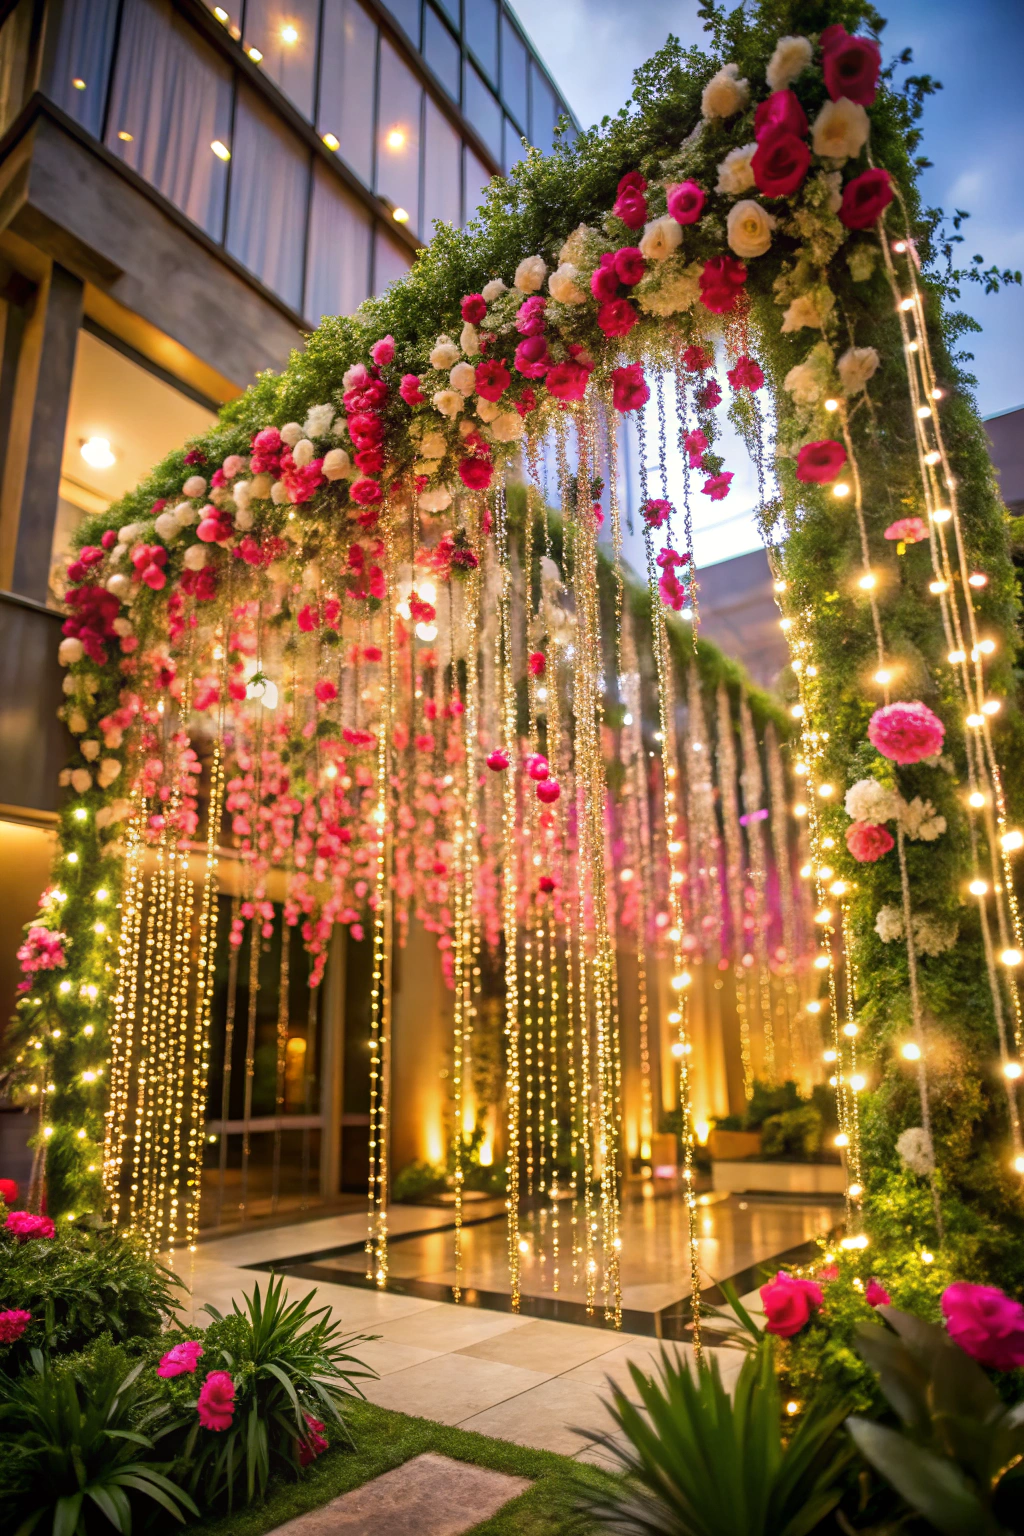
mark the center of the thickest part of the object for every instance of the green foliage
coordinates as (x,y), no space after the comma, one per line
(796,1135)
(417,1180)
(702,1463)
(959,1459)
(77,1447)
(287,1361)
(79,1285)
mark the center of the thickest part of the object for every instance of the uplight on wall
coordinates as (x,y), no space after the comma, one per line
(220,150)
(97,453)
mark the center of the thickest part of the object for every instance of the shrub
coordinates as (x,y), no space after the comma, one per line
(796,1135)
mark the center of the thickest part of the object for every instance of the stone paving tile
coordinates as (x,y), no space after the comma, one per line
(542,1346)
(559,1415)
(427,1496)
(450,1388)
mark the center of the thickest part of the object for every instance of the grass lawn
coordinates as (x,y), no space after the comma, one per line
(384,1439)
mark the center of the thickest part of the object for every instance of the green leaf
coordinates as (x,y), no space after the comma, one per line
(933,1486)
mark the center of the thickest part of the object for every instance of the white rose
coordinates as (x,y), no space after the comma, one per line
(463,378)
(492,290)
(319,421)
(889,924)
(81,781)
(244,519)
(724,94)
(445,353)
(195,557)
(260,486)
(290,433)
(69,685)
(120,627)
(466,427)
(803,383)
(563,285)
(109,770)
(469,340)
(195,485)
(69,651)
(749,228)
(920,820)
(187,514)
(867,800)
(660,238)
(735,174)
(113,738)
(914,1148)
(508,427)
(803,311)
(167,526)
(856,367)
(336,464)
(130,532)
(840,130)
(90,750)
(118,553)
(433,501)
(448,401)
(530,274)
(77,723)
(279,493)
(792,55)
(433,445)
(487,409)
(119,584)
(303,452)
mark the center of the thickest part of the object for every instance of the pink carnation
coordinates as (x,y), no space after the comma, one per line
(216,1405)
(410,390)
(908,530)
(383,351)
(696,445)
(629,388)
(789,1302)
(629,265)
(532,358)
(473,308)
(567,381)
(718,486)
(24,1226)
(906,732)
(492,379)
(657,512)
(13,1325)
(986,1323)
(867,841)
(181,1360)
(617,317)
(314,1443)
(475,472)
(630,204)
(746,374)
(530,319)
(365,492)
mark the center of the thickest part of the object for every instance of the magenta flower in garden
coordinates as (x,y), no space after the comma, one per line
(24,1226)
(868,842)
(216,1405)
(906,732)
(180,1360)
(819,463)
(789,1303)
(685,201)
(907,530)
(314,1443)
(986,1323)
(13,1325)
(629,388)
(876,1295)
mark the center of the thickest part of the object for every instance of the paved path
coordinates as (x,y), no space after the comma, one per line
(427,1496)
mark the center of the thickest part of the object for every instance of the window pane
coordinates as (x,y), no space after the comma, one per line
(442,171)
(407,14)
(478,179)
(79,65)
(284,32)
(398,135)
(514,60)
(338,260)
(390,261)
(451,10)
(483,111)
(267,208)
(441,51)
(514,150)
(347,71)
(481,30)
(543,111)
(170,102)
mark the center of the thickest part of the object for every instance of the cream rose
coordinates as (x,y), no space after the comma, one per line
(109,770)
(530,274)
(803,311)
(469,340)
(487,409)
(724,93)
(70,651)
(791,57)
(660,238)
(195,557)
(749,228)
(303,452)
(840,130)
(448,401)
(508,427)
(319,421)
(563,285)
(463,378)
(445,353)
(336,464)
(856,367)
(434,501)
(735,174)
(290,433)
(492,290)
(433,445)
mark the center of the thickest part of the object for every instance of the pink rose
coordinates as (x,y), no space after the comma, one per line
(567,381)
(629,265)
(746,374)
(718,486)
(532,358)
(867,841)
(383,351)
(604,280)
(475,472)
(326,691)
(908,530)
(657,513)
(13,1325)
(365,492)
(492,379)
(181,1360)
(685,202)
(216,1405)
(851,65)
(876,1295)
(473,308)
(617,317)
(410,390)
(819,463)
(25,1227)
(630,203)
(530,319)
(986,1323)
(788,1303)
(721,284)
(906,732)
(629,389)
(779,163)
(781,111)
(865,199)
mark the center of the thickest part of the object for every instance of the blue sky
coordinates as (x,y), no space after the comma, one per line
(973,132)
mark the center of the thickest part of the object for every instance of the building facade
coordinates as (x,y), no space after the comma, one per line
(185,191)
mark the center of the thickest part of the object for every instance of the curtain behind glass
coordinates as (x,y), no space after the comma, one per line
(338,259)
(267,206)
(79,64)
(348,69)
(442,171)
(390,261)
(285,32)
(170,101)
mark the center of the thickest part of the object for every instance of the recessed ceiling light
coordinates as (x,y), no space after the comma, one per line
(96,453)
(220,150)
(255,55)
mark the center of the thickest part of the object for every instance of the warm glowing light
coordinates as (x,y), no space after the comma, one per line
(937,394)
(821,962)
(1012,840)
(806,872)
(395,138)
(682,980)
(858,1083)
(840,489)
(855,1191)
(792,1407)
(824,916)
(975,721)
(991,707)
(977,579)
(831,405)
(1012,1070)
(814,1006)
(96,453)
(883,676)
(220,150)
(400,216)
(78,84)
(937,586)
(1010,957)
(899,246)
(842,1140)
(830,1055)
(102,894)
(927,1257)
(978,888)
(986,647)
(255,55)
(785,624)
(956,657)
(910,1051)
(80,813)
(702,1130)
(911,346)
(867,582)
(72,857)
(797,711)
(332,141)
(800,810)
(289,34)
(907,304)
(941,515)
(924,411)
(125,136)
(779,586)
(976,799)
(826,790)
(851,1031)
(426,632)
(220,13)
(933,457)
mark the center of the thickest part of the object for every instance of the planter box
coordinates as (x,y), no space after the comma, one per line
(730,1146)
(740,1178)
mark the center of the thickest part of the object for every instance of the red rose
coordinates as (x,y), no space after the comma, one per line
(685,202)
(630,204)
(788,1303)
(617,317)
(865,199)
(370,460)
(604,281)
(851,66)
(567,381)
(632,181)
(326,691)
(780,110)
(492,379)
(780,163)
(746,374)
(475,472)
(532,358)
(365,492)
(629,265)
(629,388)
(697,360)
(474,307)
(819,463)
(721,284)
(868,842)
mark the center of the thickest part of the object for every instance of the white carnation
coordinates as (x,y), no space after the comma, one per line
(196,557)
(445,353)
(448,401)
(469,340)
(187,514)
(487,409)
(840,130)
(530,274)
(492,290)
(508,427)
(934,935)
(802,312)
(724,93)
(244,519)
(319,421)
(434,501)
(563,285)
(120,627)
(131,531)
(109,770)
(81,781)
(463,378)
(433,445)
(279,493)
(803,383)
(290,433)
(194,486)
(915,1150)
(792,55)
(867,800)
(660,238)
(735,174)
(856,366)
(889,924)
(167,526)
(303,452)
(336,464)
(749,228)
(69,651)
(920,820)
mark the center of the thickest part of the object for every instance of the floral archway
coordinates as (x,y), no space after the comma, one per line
(349,543)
